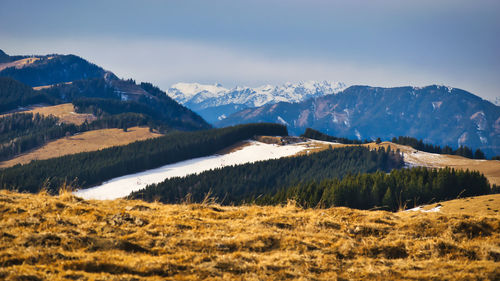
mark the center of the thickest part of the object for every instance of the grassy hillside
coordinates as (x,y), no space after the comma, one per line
(66,238)
(65,112)
(86,141)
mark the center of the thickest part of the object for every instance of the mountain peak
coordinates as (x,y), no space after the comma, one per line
(219,101)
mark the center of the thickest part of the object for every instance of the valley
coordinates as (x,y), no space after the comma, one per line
(106,178)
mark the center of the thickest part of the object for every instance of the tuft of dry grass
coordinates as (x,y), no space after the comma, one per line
(65,237)
(86,141)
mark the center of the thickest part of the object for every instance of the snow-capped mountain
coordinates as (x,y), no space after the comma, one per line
(437,114)
(214,102)
(496,101)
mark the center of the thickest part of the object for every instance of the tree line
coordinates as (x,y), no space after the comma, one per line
(14,94)
(409,141)
(244,183)
(20,132)
(420,145)
(90,168)
(317,135)
(393,191)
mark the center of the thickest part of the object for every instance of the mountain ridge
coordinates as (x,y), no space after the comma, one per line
(214,102)
(437,114)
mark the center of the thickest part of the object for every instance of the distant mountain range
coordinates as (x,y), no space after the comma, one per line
(214,102)
(437,114)
(69,78)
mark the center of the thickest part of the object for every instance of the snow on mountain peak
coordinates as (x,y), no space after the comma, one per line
(183,92)
(204,96)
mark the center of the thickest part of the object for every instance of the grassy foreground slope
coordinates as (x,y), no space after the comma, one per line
(66,238)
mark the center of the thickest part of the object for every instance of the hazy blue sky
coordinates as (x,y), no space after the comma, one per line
(254,42)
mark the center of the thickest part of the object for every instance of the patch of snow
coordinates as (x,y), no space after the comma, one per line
(358,135)
(495,101)
(123,186)
(282,121)
(223,116)
(421,209)
(436,104)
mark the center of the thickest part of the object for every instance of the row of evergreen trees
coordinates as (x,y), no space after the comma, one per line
(409,141)
(20,132)
(91,168)
(393,191)
(244,183)
(317,135)
(14,94)
(420,145)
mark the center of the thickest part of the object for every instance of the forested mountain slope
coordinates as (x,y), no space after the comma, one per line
(51,69)
(90,168)
(436,114)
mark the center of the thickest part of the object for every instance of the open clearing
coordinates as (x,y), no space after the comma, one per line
(86,141)
(65,112)
(246,152)
(270,148)
(55,238)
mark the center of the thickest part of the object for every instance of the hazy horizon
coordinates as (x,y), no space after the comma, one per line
(251,43)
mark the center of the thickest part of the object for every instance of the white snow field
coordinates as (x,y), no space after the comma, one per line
(252,152)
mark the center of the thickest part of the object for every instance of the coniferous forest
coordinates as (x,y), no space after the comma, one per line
(14,94)
(420,145)
(393,191)
(90,168)
(21,132)
(409,141)
(317,135)
(245,183)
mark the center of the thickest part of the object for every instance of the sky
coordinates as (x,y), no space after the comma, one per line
(250,43)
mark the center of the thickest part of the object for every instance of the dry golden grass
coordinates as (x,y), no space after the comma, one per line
(19,63)
(63,237)
(486,205)
(38,88)
(65,112)
(87,141)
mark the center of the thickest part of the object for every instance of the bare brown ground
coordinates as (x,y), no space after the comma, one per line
(87,141)
(66,238)
(65,112)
